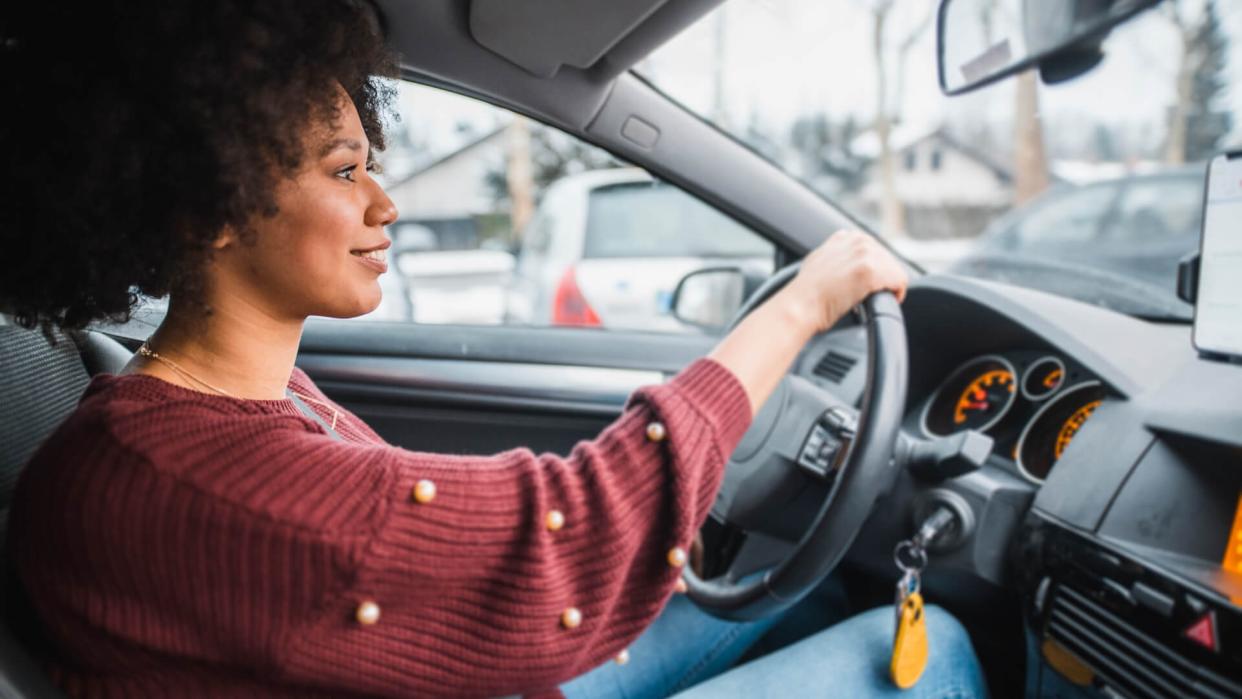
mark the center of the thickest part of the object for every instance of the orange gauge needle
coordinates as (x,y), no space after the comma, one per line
(1053,378)
(977,405)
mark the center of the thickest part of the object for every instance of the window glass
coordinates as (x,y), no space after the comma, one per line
(656,220)
(505,220)
(1160,210)
(1069,216)
(844,95)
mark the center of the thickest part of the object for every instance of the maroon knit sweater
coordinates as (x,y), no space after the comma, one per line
(175,543)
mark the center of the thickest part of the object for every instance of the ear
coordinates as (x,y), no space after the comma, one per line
(227,237)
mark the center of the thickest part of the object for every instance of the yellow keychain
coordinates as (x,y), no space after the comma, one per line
(910,643)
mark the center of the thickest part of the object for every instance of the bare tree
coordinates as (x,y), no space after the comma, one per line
(1194,128)
(888,106)
(1030,162)
(1030,159)
(518,173)
(1175,144)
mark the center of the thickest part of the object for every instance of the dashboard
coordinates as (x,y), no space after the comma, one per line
(1030,402)
(1112,500)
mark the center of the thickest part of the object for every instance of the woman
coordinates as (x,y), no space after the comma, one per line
(232,530)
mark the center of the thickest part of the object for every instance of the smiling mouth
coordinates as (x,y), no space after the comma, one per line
(377,255)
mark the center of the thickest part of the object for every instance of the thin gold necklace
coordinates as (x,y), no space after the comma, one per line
(146,351)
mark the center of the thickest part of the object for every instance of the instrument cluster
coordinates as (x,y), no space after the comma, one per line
(1031,403)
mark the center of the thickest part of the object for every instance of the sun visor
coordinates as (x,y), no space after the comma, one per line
(603,36)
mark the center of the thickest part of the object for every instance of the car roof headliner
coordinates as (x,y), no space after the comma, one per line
(607,36)
(554,57)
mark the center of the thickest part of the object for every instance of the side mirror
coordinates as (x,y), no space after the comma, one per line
(709,298)
(982,41)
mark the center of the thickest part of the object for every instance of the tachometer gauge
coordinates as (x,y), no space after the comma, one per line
(1043,378)
(975,397)
(1047,435)
(1072,424)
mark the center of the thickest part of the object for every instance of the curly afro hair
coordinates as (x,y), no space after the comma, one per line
(135,131)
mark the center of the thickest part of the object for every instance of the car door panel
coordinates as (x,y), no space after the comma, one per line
(481,390)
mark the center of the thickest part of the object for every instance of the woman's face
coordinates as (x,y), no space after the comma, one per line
(309,259)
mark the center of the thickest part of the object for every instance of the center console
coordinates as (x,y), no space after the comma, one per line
(1134,571)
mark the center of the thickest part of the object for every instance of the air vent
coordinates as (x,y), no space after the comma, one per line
(1131,661)
(835,366)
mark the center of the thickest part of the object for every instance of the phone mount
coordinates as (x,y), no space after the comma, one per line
(1188,278)
(1188,288)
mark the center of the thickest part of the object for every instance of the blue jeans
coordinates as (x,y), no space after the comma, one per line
(687,649)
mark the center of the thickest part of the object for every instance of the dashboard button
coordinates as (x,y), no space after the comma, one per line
(1203,631)
(1103,559)
(1195,604)
(1152,599)
(1117,590)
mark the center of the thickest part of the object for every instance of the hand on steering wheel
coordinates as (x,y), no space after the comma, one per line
(845,269)
(770,479)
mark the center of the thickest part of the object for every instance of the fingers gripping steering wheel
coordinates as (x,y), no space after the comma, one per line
(806,445)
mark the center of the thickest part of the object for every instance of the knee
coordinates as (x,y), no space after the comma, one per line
(946,629)
(954,655)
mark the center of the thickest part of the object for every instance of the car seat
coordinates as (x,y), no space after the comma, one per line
(40,384)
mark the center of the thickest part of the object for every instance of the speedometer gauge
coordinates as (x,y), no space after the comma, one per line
(1049,433)
(975,397)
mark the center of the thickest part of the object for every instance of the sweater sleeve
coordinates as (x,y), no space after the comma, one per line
(523,570)
(244,539)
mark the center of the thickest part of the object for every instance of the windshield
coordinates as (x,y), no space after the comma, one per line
(1090,189)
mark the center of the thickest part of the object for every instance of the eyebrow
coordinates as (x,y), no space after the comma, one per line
(350,143)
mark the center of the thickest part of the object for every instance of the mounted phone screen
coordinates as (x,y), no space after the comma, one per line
(1218,308)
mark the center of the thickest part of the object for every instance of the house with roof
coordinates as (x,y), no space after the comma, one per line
(949,189)
(450,196)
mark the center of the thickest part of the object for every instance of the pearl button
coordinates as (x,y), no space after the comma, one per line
(623,657)
(681,586)
(571,618)
(554,521)
(424,491)
(656,432)
(368,613)
(677,557)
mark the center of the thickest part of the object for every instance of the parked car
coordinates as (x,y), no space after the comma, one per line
(1136,227)
(428,284)
(607,248)
(456,286)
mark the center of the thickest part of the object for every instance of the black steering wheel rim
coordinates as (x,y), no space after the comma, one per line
(866,474)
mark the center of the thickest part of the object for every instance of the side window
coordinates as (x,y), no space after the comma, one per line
(646,219)
(505,220)
(1073,216)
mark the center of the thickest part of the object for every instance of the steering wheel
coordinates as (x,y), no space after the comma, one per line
(808,457)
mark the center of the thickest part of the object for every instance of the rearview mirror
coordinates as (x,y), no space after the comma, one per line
(982,41)
(709,298)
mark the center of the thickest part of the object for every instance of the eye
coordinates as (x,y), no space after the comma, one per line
(347,173)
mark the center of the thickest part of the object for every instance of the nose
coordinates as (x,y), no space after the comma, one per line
(381,211)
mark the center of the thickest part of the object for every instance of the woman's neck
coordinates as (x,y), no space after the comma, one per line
(238,349)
